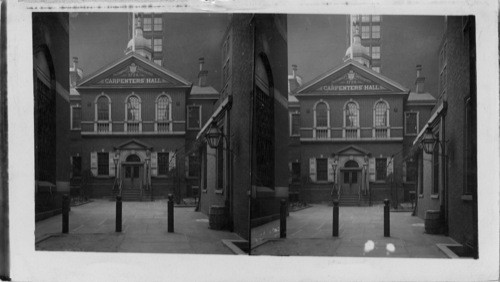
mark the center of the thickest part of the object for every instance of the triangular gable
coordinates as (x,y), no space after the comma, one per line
(352,78)
(133,71)
(352,150)
(133,145)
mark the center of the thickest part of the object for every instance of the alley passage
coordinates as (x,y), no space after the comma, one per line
(309,232)
(92,228)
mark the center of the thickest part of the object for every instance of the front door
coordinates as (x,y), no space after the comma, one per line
(132,178)
(350,181)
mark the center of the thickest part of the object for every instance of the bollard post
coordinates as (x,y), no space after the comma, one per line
(65,214)
(335,225)
(283,218)
(387,221)
(170,213)
(118,220)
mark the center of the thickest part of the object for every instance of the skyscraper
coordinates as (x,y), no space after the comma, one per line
(369,30)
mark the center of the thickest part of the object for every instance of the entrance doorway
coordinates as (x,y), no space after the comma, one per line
(351,178)
(132,173)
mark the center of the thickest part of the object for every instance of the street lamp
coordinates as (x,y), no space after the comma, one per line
(116,158)
(428,141)
(213,135)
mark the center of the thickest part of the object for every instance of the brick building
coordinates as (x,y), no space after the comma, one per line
(349,130)
(246,174)
(447,172)
(133,126)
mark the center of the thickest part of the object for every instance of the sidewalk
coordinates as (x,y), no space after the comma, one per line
(361,233)
(92,228)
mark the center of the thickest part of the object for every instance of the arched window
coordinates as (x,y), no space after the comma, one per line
(351,164)
(102,114)
(133,158)
(321,120)
(163,113)
(103,108)
(133,114)
(352,115)
(351,120)
(381,119)
(133,108)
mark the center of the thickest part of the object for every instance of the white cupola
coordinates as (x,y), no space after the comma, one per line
(138,44)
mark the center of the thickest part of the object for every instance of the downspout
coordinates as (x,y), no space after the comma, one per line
(250,121)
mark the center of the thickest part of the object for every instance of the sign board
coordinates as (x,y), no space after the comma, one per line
(351,82)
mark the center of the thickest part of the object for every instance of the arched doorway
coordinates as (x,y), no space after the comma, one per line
(351,178)
(132,172)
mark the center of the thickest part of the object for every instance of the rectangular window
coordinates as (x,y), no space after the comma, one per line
(381,169)
(375,18)
(102,164)
(157,45)
(365,18)
(163,163)
(295,127)
(435,168)
(220,165)
(411,171)
(76,116)
(365,31)
(296,172)
(376,52)
(76,163)
(204,163)
(376,31)
(194,166)
(194,115)
(158,62)
(411,123)
(420,175)
(147,24)
(470,166)
(322,169)
(158,24)
(377,69)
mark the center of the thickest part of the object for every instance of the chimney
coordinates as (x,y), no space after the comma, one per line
(203,74)
(419,82)
(292,82)
(75,63)
(294,72)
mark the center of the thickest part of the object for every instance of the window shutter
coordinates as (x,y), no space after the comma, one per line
(93,163)
(390,167)
(111,165)
(371,169)
(171,162)
(186,165)
(154,164)
(312,169)
(330,169)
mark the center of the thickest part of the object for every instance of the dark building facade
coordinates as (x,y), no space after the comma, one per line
(51,94)
(246,174)
(447,174)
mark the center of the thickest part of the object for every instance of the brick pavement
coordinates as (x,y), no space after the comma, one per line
(361,233)
(92,228)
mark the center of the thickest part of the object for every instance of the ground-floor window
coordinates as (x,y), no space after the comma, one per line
(102,163)
(296,172)
(381,169)
(411,171)
(220,166)
(163,163)
(76,163)
(322,169)
(194,166)
(435,170)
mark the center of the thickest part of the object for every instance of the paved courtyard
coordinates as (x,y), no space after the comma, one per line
(361,233)
(92,228)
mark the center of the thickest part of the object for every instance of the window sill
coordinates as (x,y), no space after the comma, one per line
(220,192)
(435,196)
(204,191)
(466,198)
(421,196)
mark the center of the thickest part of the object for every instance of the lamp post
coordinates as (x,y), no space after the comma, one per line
(365,167)
(334,166)
(116,158)
(428,141)
(213,136)
(148,160)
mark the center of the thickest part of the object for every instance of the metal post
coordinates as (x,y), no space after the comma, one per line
(170,213)
(65,214)
(283,218)
(335,225)
(118,221)
(387,222)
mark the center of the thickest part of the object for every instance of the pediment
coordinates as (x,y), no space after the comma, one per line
(134,145)
(352,78)
(353,150)
(133,71)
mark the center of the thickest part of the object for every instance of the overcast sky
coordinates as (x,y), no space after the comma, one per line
(316,43)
